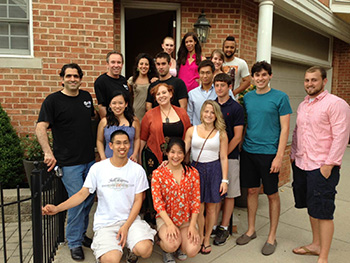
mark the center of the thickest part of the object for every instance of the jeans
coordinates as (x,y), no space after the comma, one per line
(78,217)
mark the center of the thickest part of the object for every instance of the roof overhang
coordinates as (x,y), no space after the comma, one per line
(318,16)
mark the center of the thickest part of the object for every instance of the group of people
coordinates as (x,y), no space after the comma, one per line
(179,149)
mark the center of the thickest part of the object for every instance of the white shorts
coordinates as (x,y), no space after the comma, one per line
(105,239)
(233,188)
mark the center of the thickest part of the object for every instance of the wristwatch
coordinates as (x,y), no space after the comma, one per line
(225,181)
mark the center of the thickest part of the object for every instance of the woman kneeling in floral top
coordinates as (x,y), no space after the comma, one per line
(176,198)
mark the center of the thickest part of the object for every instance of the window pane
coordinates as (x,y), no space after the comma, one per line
(3,11)
(17,2)
(19,43)
(4,29)
(2,1)
(18,11)
(4,42)
(19,29)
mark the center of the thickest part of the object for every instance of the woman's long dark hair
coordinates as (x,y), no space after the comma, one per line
(152,72)
(179,142)
(182,53)
(112,120)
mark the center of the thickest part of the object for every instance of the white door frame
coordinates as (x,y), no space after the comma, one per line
(148,5)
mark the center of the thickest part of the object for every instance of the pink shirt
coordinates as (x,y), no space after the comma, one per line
(189,73)
(321,133)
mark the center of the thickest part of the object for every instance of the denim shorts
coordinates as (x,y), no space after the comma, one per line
(314,192)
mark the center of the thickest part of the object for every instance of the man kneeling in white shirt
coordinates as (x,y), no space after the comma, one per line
(119,184)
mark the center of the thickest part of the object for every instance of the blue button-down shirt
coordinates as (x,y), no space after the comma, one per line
(196,98)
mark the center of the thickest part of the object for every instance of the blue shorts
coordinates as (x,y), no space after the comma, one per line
(314,192)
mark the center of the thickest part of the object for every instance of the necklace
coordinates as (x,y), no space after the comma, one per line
(166,115)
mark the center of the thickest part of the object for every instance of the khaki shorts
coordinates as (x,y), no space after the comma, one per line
(160,222)
(233,188)
(105,239)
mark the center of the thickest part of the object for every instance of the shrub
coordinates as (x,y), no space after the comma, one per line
(31,148)
(11,154)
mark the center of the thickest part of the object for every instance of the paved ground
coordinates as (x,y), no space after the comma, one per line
(293,230)
(12,241)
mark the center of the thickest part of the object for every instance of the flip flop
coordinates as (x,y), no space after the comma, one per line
(305,251)
(204,248)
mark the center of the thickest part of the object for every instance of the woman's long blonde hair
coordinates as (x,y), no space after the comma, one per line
(219,122)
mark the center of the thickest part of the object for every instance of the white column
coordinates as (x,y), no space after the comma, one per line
(263,51)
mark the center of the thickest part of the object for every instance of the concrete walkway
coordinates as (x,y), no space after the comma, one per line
(293,230)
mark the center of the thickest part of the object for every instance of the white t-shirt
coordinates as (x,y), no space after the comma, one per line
(241,69)
(116,188)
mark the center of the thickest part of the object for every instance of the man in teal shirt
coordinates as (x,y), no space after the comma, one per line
(268,114)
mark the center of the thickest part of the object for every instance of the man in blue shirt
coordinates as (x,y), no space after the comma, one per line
(206,91)
(268,114)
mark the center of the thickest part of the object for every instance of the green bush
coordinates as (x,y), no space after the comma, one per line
(11,153)
(31,147)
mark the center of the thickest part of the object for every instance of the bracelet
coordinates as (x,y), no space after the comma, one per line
(225,181)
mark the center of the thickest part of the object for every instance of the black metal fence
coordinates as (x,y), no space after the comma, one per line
(47,231)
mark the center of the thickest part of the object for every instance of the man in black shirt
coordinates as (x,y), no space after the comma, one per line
(108,82)
(68,114)
(180,95)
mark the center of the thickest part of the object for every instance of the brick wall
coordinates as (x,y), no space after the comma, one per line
(83,32)
(325,2)
(65,31)
(341,68)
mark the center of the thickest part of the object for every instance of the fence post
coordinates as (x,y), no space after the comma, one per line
(36,215)
(61,216)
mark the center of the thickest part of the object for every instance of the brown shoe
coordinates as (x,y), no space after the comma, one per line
(245,239)
(269,249)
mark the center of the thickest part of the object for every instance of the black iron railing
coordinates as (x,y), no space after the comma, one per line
(47,231)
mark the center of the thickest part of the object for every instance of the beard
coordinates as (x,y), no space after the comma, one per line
(163,74)
(229,56)
(315,91)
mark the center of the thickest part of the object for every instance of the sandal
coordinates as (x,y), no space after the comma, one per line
(304,251)
(204,249)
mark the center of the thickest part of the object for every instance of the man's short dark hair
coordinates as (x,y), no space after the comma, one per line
(114,52)
(163,55)
(119,132)
(260,65)
(223,77)
(318,68)
(71,65)
(230,38)
(206,63)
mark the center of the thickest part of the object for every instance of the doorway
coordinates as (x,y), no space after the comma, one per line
(143,28)
(144,32)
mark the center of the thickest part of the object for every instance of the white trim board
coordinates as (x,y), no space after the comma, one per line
(286,55)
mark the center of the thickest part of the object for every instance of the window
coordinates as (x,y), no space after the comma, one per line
(14,27)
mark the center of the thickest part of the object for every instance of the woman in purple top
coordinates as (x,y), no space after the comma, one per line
(188,58)
(120,116)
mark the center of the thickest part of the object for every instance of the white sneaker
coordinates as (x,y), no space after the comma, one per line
(180,255)
(168,258)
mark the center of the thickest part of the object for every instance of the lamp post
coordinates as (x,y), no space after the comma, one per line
(202,27)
